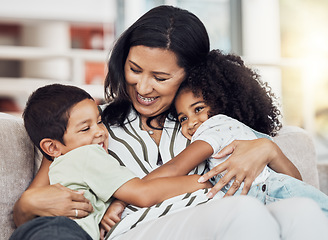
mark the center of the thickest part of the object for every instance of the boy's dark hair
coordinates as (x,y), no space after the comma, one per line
(230,88)
(47,112)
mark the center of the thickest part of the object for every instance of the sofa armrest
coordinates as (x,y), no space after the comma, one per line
(323,176)
(17,167)
(299,148)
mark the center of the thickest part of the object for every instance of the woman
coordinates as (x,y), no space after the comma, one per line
(146,67)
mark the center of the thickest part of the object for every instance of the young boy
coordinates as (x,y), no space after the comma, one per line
(206,119)
(65,124)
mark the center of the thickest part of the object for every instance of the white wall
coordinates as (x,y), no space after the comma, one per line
(68,10)
(261,38)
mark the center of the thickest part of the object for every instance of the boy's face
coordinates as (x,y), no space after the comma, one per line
(192,112)
(84,127)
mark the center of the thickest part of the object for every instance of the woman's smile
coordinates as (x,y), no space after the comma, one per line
(153,78)
(146,100)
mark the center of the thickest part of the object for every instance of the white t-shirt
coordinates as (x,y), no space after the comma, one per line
(91,169)
(219,131)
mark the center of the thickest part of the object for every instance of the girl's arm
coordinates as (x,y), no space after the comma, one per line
(42,199)
(248,159)
(184,162)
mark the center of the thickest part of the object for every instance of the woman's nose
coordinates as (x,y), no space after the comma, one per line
(144,85)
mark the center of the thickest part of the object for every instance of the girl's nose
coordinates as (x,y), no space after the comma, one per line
(192,123)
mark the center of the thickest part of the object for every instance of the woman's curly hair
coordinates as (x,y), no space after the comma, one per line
(230,88)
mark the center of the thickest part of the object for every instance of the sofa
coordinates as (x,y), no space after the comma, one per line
(19,161)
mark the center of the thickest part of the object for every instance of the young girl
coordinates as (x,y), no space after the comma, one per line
(222,101)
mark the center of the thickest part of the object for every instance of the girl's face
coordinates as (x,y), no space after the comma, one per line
(192,112)
(153,78)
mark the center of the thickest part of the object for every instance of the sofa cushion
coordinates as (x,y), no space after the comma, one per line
(298,146)
(16,168)
(19,161)
(323,176)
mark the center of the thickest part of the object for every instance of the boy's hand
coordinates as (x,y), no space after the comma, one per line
(112,216)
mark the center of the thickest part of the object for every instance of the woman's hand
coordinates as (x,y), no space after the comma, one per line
(111,217)
(247,160)
(54,200)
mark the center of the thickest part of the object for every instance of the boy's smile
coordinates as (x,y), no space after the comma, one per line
(192,112)
(84,127)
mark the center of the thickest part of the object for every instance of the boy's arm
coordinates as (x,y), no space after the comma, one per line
(184,162)
(145,193)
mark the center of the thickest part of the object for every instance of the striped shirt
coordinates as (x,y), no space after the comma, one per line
(133,216)
(134,148)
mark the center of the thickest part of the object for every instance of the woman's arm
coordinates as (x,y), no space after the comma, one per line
(247,160)
(42,199)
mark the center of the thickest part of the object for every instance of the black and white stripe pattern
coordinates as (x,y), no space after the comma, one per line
(134,148)
(132,216)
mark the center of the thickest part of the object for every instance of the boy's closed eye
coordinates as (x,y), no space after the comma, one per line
(85,129)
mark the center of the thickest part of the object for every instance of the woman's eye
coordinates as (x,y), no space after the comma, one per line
(160,79)
(135,70)
(100,122)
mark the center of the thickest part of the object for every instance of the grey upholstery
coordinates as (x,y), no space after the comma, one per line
(19,161)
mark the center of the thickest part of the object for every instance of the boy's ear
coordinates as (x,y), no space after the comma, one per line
(50,147)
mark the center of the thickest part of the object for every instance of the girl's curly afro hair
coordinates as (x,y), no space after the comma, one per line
(230,88)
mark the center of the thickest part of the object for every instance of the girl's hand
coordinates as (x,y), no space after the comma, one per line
(247,160)
(112,216)
(57,200)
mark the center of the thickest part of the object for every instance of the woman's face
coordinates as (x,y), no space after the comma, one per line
(152,78)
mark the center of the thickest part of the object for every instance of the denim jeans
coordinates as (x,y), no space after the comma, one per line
(280,186)
(50,228)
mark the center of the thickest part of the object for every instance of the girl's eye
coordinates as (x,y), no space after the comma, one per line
(198,109)
(182,119)
(100,122)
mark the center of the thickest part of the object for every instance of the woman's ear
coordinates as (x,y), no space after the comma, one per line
(50,147)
